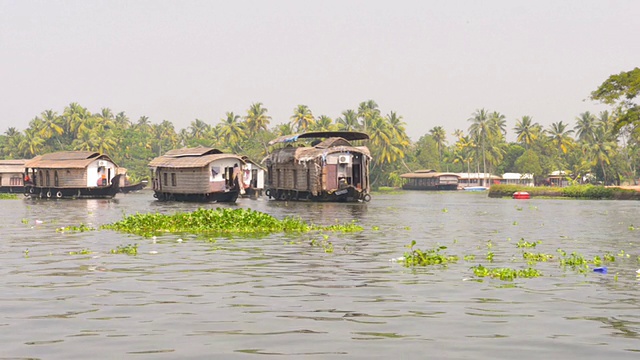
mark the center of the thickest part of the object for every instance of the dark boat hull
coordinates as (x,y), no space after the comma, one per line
(226,197)
(348,194)
(52,192)
(12,189)
(135,187)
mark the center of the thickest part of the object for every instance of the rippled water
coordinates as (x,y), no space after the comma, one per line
(189,298)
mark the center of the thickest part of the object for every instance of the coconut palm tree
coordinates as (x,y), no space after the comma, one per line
(198,128)
(323,123)
(302,118)
(527,131)
(348,121)
(233,131)
(480,131)
(256,119)
(367,113)
(560,136)
(585,127)
(439,135)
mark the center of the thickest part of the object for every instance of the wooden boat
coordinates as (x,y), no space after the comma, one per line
(430,180)
(71,175)
(328,169)
(12,176)
(134,187)
(198,174)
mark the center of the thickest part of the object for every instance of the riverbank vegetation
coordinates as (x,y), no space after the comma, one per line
(601,148)
(586,191)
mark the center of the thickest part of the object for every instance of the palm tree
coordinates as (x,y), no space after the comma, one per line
(560,136)
(284,129)
(143,124)
(302,118)
(440,137)
(74,118)
(367,112)
(232,131)
(348,121)
(526,131)
(122,121)
(324,123)
(31,144)
(480,130)
(198,128)
(257,119)
(50,126)
(585,127)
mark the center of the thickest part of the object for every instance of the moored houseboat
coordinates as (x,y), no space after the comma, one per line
(253,176)
(198,174)
(430,180)
(125,183)
(71,175)
(328,169)
(12,176)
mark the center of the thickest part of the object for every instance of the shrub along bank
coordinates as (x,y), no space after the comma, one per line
(574,191)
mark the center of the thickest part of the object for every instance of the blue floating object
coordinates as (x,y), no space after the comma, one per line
(602,270)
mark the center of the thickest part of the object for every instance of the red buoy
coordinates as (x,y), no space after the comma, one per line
(521,195)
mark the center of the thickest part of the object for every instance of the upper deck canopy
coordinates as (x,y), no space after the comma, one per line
(347,135)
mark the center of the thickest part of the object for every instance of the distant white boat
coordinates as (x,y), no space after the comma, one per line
(476,188)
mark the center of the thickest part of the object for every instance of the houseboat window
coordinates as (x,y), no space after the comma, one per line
(279,182)
(295,178)
(41,178)
(173,179)
(48,182)
(55,178)
(165,177)
(15,180)
(308,179)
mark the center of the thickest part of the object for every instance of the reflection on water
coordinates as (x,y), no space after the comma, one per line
(185,296)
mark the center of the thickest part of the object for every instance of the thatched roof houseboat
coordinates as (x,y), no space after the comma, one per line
(430,180)
(12,176)
(253,178)
(331,169)
(71,174)
(197,174)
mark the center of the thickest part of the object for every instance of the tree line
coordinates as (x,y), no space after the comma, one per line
(597,147)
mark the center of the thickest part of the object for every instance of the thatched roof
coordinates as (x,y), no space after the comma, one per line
(12,166)
(65,160)
(289,154)
(191,158)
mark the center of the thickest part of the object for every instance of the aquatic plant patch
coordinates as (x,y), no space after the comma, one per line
(427,257)
(218,221)
(4,196)
(79,228)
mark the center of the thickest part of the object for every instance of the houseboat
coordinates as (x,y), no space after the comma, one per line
(71,175)
(198,174)
(11,176)
(430,180)
(329,168)
(253,176)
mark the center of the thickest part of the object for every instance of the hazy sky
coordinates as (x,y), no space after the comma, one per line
(432,62)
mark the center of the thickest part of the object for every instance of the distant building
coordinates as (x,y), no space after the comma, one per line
(517,179)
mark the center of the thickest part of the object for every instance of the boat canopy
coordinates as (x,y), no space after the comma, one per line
(347,135)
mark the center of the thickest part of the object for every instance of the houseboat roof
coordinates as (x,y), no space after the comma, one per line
(308,153)
(516,176)
(66,159)
(347,135)
(425,174)
(249,161)
(12,166)
(191,158)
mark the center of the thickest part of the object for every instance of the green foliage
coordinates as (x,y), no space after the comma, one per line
(4,196)
(218,222)
(80,228)
(522,243)
(81,252)
(507,274)
(417,257)
(130,249)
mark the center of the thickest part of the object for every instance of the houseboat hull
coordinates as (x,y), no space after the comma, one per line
(98,192)
(223,197)
(348,194)
(12,189)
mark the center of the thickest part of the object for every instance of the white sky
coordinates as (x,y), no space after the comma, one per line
(433,62)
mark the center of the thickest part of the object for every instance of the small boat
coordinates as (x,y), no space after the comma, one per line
(521,195)
(134,187)
(71,175)
(476,188)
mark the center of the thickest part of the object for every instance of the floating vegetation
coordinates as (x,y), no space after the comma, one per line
(427,257)
(80,228)
(126,249)
(5,196)
(81,252)
(539,257)
(325,244)
(218,221)
(507,274)
(525,244)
